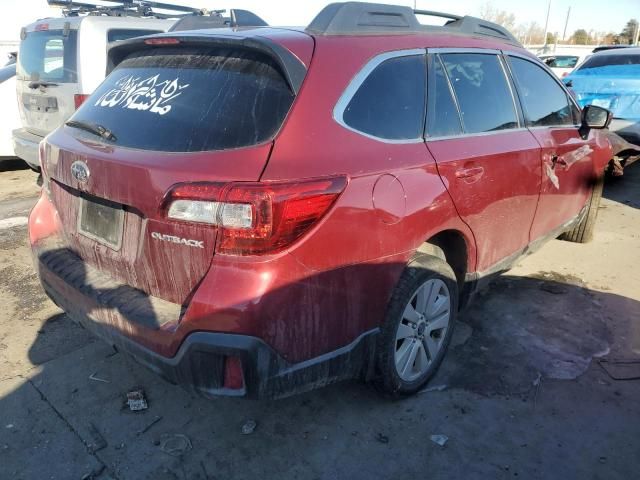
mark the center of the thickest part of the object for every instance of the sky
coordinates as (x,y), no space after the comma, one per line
(599,15)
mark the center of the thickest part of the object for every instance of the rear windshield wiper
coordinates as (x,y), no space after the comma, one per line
(96,129)
(38,84)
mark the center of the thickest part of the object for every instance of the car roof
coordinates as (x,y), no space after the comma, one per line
(56,23)
(618,51)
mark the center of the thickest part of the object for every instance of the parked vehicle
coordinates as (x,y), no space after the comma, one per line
(562,65)
(11,58)
(62,61)
(260,212)
(10,118)
(611,79)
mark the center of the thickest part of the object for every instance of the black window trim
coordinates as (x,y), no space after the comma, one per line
(507,56)
(437,52)
(358,80)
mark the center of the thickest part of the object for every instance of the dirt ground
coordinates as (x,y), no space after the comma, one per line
(537,383)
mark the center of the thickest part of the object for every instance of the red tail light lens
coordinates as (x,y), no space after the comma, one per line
(162,41)
(78,99)
(233,377)
(255,218)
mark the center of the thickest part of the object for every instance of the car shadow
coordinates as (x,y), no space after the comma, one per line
(12,164)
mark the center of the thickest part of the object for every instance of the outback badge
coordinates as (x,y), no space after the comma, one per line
(80,171)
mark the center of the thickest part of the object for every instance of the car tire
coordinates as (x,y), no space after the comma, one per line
(583,231)
(406,355)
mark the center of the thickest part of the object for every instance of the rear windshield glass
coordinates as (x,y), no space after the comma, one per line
(48,55)
(190,100)
(561,61)
(119,34)
(600,61)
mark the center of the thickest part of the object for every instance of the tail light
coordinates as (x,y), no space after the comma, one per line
(233,377)
(162,41)
(79,98)
(254,218)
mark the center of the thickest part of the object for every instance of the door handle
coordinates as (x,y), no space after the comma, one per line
(470,175)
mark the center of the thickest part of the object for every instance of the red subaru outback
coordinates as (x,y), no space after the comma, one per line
(259,212)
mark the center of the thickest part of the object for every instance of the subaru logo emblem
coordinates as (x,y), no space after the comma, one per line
(80,171)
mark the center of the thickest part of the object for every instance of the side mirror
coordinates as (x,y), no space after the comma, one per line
(594,117)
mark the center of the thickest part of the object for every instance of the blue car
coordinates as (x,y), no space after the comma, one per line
(611,79)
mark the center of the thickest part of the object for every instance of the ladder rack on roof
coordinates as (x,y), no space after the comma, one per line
(192,17)
(353,18)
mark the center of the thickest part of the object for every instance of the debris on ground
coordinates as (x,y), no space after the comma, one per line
(95,473)
(149,425)
(175,445)
(435,388)
(553,288)
(97,379)
(97,440)
(136,400)
(538,379)
(440,439)
(249,427)
(536,384)
(621,370)
(382,438)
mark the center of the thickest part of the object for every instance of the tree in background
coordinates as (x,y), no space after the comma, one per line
(628,33)
(580,37)
(501,17)
(530,33)
(551,38)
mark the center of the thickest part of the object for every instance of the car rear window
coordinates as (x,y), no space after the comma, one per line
(598,61)
(561,61)
(119,34)
(190,100)
(49,55)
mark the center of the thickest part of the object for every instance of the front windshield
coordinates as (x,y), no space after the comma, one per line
(611,82)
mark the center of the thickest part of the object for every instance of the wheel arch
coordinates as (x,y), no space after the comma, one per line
(452,247)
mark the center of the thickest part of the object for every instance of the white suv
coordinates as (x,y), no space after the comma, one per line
(60,62)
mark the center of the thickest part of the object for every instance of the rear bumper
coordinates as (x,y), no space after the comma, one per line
(199,363)
(25,146)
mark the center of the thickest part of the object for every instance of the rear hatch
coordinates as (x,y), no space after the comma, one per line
(47,78)
(170,114)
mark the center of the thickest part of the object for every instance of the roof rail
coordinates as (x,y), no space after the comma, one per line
(236,18)
(353,18)
(126,8)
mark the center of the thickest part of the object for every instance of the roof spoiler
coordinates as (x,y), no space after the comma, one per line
(291,66)
(353,18)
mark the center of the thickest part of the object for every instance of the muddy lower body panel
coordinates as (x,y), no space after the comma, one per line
(199,365)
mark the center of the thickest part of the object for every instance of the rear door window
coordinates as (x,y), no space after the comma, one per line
(545,102)
(119,34)
(443,118)
(48,55)
(190,99)
(390,103)
(483,92)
